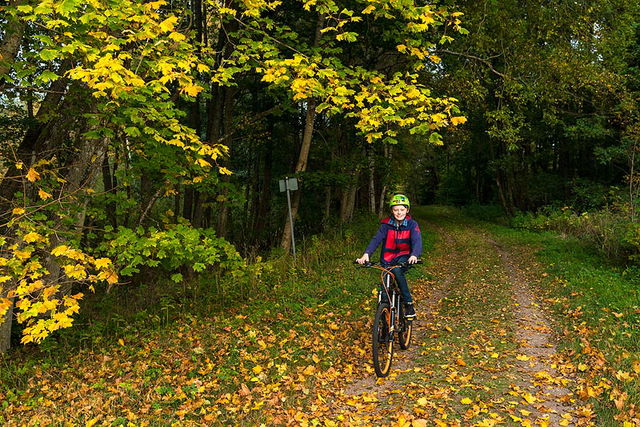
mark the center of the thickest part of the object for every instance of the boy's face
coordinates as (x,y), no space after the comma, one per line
(399,212)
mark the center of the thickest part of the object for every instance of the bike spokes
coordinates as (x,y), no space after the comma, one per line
(382,341)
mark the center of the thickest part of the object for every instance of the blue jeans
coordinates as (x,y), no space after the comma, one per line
(402,281)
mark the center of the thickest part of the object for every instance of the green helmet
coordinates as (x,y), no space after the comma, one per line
(399,199)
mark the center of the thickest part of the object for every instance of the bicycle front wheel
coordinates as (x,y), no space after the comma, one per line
(406,327)
(382,340)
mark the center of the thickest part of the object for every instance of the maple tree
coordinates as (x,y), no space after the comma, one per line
(125,71)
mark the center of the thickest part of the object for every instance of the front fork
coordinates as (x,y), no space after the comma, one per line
(392,296)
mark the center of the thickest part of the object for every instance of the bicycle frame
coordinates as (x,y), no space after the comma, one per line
(388,321)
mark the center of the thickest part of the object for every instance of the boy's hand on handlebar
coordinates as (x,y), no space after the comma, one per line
(363,259)
(412,259)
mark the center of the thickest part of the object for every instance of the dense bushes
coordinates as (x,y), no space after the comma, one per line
(611,230)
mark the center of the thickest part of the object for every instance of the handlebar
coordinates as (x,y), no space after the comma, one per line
(378,264)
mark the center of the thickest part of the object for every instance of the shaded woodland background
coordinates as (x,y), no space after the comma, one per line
(549,90)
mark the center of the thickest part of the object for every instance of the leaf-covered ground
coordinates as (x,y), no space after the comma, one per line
(483,354)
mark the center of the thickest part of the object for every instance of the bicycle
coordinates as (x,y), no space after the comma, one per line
(389,321)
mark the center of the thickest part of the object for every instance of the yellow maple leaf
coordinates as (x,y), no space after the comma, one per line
(112,278)
(543,422)
(423,401)
(43,194)
(168,24)
(22,255)
(32,237)
(466,401)
(203,163)
(33,175)
(192,90)
(178,37)
(102,263)
(60,250)
(623,376)
(75,271)
(458,120)
(18,211)
(367,10)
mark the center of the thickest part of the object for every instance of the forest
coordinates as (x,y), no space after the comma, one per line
(142,144)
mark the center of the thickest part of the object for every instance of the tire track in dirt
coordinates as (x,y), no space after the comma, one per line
(535,335)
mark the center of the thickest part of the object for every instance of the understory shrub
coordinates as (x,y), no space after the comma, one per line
(610,230)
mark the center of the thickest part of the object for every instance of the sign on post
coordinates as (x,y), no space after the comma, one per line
(290,184)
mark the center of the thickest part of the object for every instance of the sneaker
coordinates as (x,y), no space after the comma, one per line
(409,311)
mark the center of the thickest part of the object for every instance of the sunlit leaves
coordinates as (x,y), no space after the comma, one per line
(381,104)
(127,54)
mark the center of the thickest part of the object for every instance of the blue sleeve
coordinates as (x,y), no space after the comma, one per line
(416,240)
(375,241)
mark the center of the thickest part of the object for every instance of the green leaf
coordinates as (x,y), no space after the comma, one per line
(435,138)
(68,6)
(48,76)
(177,278)
(132,131)
(48,54)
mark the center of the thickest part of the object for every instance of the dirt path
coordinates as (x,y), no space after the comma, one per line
(483,350)
(537,348)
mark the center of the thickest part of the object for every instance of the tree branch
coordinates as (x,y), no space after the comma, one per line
(475,58)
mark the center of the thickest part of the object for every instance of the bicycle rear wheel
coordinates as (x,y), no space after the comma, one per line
(406,328)
(382,341)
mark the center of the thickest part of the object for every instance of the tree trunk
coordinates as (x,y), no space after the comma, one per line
(187,207)
(383,189)
(10,45)
(5,328)
(348,202)
(108,180)
(81,173)
(303,157)
(301,166)
(264,203)
(32,146)
(372,182)
(327,204)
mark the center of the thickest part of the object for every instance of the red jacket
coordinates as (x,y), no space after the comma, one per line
(398,239)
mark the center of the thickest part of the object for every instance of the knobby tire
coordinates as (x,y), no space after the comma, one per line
(406,327)
(382,343)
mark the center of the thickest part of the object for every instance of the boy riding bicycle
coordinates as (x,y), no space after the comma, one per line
(401,243)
